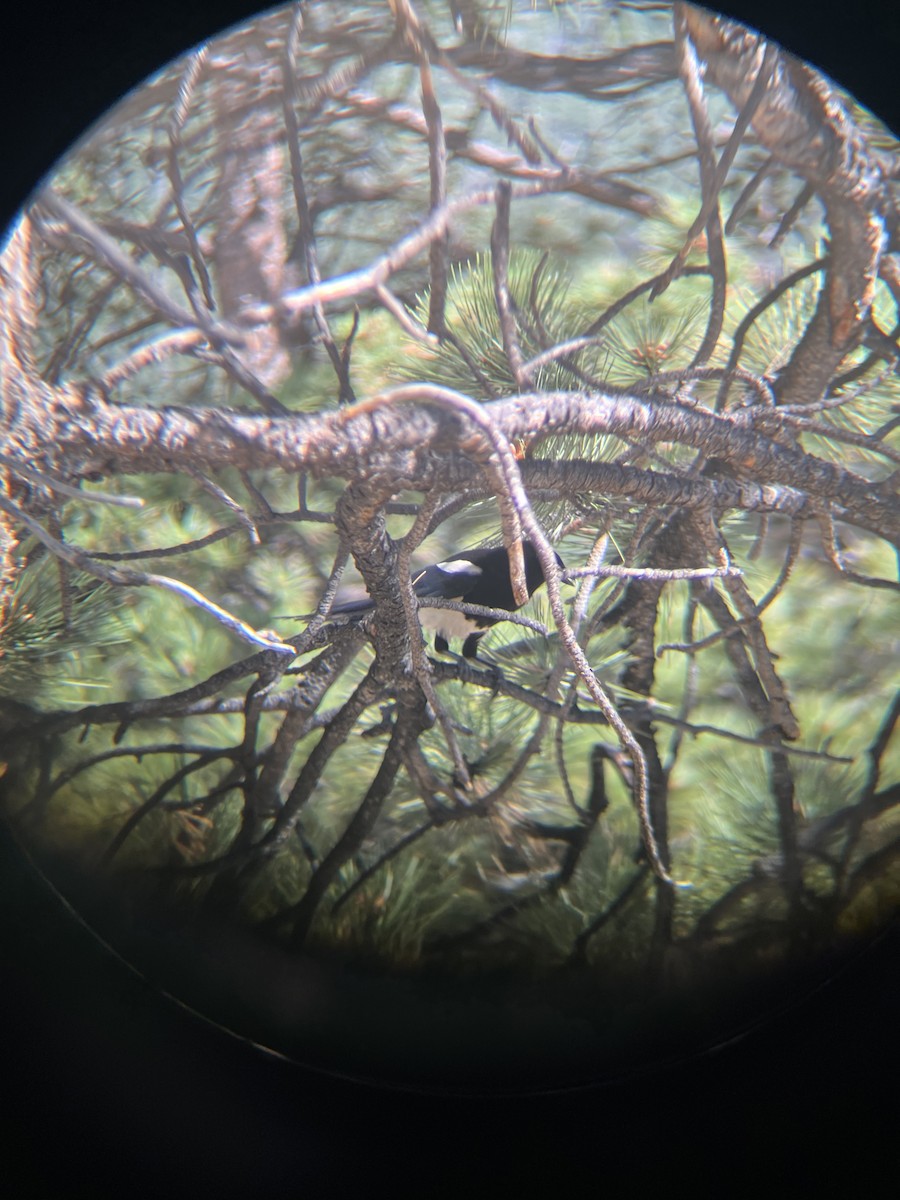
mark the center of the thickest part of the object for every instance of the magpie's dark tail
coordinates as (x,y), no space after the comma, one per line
(352,608)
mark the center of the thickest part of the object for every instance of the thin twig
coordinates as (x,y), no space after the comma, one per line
(186,86)
(120,576)
(230,503)
(65,489)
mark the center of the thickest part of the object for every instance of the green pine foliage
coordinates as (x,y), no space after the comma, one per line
(55,628)
(547,313)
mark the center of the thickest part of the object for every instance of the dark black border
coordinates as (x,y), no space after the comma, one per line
(65,64)
(112,1089)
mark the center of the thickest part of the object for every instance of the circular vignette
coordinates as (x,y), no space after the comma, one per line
(579,1051)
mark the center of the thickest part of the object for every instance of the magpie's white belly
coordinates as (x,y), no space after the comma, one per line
(446,622)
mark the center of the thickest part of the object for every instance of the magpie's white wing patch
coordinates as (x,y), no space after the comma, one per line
(460,566)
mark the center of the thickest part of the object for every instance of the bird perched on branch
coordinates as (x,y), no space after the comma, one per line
(478,576)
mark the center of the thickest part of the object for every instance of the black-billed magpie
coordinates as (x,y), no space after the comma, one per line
(478,576)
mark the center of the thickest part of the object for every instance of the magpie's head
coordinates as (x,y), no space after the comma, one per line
(534,571)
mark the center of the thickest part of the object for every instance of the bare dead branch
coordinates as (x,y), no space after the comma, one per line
(500,267)
(230,503)
(802,122)
(64,489)
(306,232)
(712,177)
(117,575)
(107,252)
(187,84)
